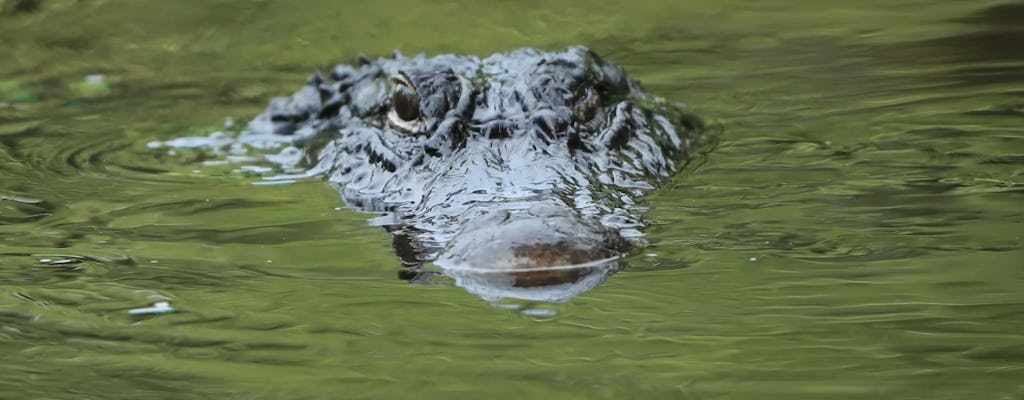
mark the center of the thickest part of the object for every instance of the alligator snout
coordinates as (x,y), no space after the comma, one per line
(545,252)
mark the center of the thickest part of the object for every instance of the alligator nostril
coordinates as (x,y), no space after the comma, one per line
(549,123)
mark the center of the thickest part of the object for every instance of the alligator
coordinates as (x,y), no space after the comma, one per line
(515,173)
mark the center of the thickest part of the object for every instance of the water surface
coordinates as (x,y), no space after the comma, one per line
(856,232)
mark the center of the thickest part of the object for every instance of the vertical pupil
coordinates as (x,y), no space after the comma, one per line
(406,103)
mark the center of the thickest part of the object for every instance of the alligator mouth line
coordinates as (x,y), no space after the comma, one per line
(499,271)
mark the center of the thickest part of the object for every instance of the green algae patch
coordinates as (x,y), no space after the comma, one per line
(17,92)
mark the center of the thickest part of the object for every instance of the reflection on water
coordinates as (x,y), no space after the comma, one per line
(546,284)
(856,233)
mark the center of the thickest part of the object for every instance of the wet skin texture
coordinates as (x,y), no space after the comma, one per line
(524,162)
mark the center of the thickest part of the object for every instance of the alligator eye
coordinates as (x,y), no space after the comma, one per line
(405,105)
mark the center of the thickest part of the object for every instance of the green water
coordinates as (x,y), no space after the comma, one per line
(856,232)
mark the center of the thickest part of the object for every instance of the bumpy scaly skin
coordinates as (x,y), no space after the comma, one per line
(536,157)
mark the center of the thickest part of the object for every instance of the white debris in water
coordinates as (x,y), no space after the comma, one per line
(216,139)
(539,313)
(248,148)
(506,306)
(20,199)
(290,155)
(752,259)
(285,177)
(275,183)
(238,149)
(162,307)
(265,140)
(257,169)
(94,78)
(652,254)
(630,233)
(59,261)
(241,159)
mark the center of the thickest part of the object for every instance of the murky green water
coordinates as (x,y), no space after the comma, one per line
(856,233)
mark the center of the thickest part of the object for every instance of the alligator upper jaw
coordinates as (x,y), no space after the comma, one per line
(544,253)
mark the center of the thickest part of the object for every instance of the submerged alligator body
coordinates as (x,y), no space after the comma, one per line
(517,174)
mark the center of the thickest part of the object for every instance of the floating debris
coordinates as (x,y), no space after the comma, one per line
(20,199)
(539,312)
(273,183)
(162,307)
(94,85)
(255,169)
(60,261)
(66,264)
(290,155)
(214,140)
(286,177)
(242,159)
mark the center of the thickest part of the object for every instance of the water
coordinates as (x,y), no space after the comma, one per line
(855,233)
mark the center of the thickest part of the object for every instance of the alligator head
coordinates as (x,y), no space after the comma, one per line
(513,173)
